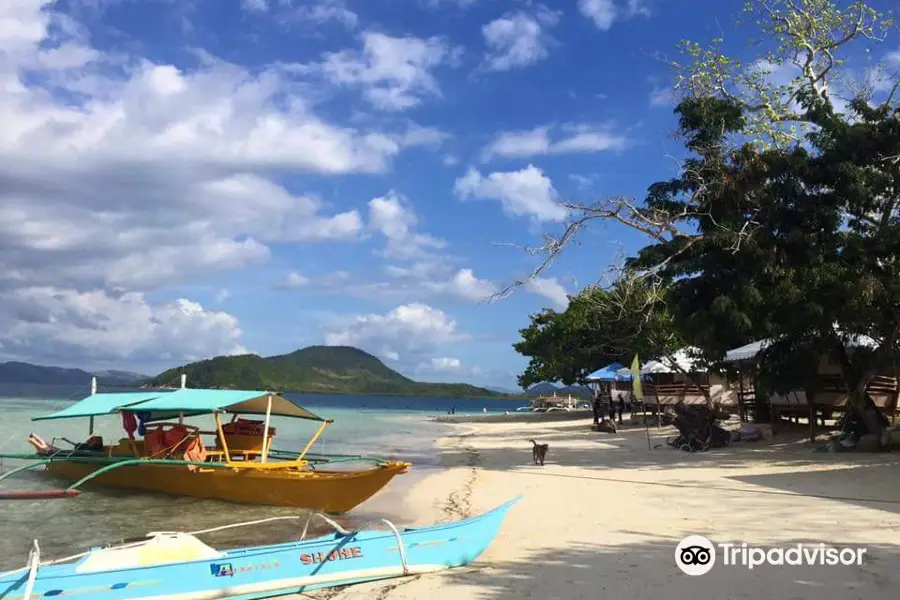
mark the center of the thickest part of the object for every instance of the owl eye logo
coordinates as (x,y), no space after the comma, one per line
(695,555)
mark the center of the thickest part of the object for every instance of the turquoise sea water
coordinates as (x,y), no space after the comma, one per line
(390,427)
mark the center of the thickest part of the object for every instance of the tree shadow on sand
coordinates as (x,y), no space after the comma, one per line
(849,477)
(638,448)
(648,572)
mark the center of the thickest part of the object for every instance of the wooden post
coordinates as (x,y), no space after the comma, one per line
(741,413)
(811,404)
(896,397)
(222,437)
(313,440)
(91,420)
(265,449)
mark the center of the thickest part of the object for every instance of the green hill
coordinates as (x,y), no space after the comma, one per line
(316,369)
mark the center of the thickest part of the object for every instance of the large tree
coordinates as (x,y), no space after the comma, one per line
(801,245)
(784,221)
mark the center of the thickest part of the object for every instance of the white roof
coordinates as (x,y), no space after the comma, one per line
(682,360)
(749,351)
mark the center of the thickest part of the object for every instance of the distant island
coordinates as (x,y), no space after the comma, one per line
(25,373)
(316,369)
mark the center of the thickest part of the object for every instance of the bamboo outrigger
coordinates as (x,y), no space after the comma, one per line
(172,458)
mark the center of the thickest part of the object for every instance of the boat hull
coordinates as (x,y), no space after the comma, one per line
(328,491)
(262,572)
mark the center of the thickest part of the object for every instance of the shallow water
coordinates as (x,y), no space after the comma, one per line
(389,427)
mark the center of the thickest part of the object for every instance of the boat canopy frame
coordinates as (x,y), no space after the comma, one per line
(161,405)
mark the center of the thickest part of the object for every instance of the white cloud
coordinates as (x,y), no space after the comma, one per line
(581,138)
(324,11)
(417,269)
(407,333)
(120,173)
(260,205)
(444,364)
(601,12)
(526,192)
(294,280)
(464,285)
(393,216)
(550,289)
(52,323)
(432,277)
(581,180)
(395,73)
(222,295)
(428,137)
(604,13)
(662,96)
(457,3)
(255,5)
(518,40)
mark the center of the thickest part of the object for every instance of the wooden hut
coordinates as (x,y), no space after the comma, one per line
(821,398)
(680,379)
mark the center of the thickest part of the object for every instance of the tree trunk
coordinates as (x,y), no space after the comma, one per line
(865,408)
(690,375)
(857,380)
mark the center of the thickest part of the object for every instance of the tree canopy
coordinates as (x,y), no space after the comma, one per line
(599,327)
(801,245)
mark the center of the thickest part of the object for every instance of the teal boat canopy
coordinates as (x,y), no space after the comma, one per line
(166,404)
(97,405)
(191,402)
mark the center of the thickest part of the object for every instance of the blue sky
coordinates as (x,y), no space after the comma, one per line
(196,177)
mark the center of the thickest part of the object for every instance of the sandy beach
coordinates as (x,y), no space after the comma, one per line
(602,518)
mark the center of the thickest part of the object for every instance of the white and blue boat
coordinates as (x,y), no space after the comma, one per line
(179,566)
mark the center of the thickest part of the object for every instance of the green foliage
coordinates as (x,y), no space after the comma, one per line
(801,244)
(599,327)
(316,369)
(803,46)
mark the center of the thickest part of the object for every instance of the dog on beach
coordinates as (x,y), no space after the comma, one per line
(538,452)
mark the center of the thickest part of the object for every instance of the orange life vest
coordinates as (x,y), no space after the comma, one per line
(176,439)
(155,441)
(196,452)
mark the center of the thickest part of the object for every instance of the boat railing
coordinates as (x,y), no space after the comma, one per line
(34,561)
(329,521)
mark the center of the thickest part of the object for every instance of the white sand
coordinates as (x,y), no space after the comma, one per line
(601,520)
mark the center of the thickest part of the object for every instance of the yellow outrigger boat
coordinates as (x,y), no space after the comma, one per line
(172,457)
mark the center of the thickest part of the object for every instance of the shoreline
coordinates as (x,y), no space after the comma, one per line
(602,518)
(516,417)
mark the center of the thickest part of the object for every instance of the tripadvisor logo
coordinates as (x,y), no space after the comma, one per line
(696,555)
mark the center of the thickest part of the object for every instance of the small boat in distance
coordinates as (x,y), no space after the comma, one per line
(172,458)
(179,565)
